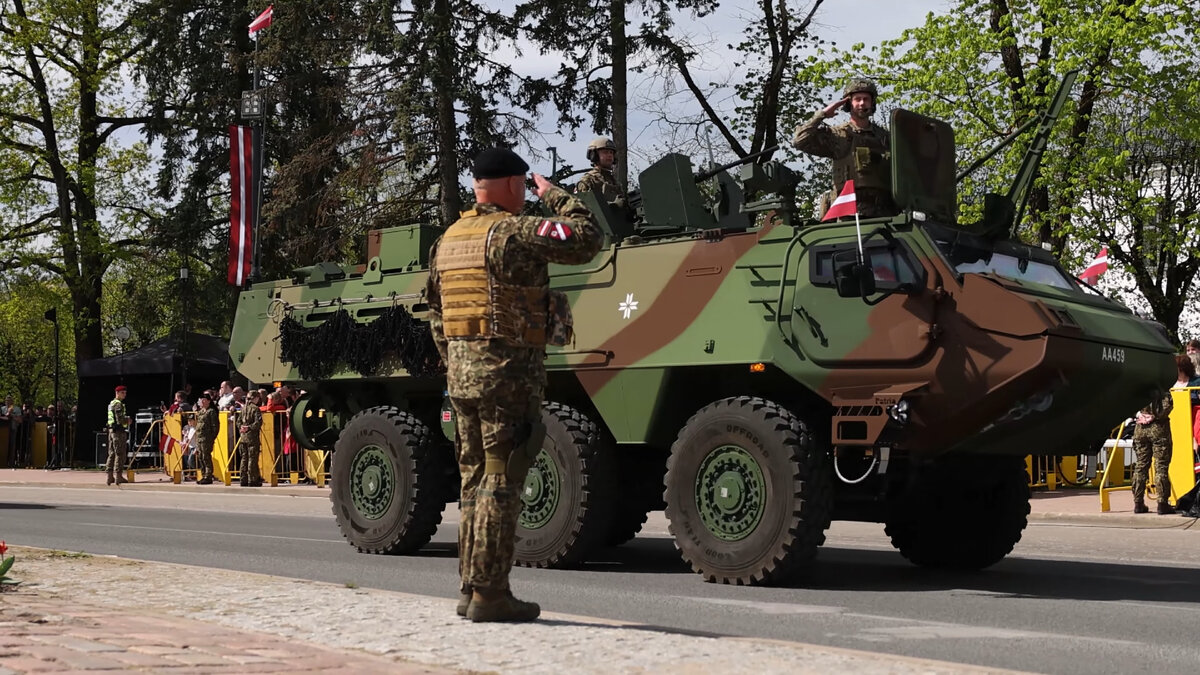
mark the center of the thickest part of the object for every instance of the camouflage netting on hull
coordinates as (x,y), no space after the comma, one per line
(320,351)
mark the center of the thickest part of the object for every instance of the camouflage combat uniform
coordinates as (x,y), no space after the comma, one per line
(207,426)
(1153,439)
(861,155)
(604,184)
(492,338)
(118,441)
(251,417)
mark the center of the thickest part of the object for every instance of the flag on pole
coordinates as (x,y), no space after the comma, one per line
(241,208)
(844,205)
(262,20)
(1097,267)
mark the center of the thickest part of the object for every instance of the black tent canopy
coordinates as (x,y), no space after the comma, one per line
(163,357)
(152,374)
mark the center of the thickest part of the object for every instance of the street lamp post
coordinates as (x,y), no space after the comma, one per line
(56,453)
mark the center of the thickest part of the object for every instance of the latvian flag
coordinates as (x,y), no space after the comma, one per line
(241,209)
(844,205)
(262,20)
(1098,266)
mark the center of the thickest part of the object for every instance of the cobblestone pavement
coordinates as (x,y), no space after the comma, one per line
(93,613)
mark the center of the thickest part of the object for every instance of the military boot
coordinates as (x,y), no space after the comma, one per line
(111,480)
(1139,506)
(464,603)
(502,608)
(1165,509)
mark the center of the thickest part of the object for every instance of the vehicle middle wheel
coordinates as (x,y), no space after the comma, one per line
(748,495)
(568,493)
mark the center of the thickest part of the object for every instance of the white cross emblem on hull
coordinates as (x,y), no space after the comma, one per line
(628,307)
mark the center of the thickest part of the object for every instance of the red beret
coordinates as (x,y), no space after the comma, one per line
(120,387)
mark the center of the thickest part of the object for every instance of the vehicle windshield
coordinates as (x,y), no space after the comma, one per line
(1006,259)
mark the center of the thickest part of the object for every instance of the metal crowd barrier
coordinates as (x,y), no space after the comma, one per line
(278,460)
(1108,470)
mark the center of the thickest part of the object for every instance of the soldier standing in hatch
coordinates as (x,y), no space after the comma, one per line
(1152,437)
(249,423)
(118,437)
(602,153)
(488,294)
(859,148)
(207,426)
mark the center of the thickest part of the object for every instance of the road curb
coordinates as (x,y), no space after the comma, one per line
(1124,520)
(166,485)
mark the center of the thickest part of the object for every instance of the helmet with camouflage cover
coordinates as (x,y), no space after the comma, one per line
(599,143)
(860,85)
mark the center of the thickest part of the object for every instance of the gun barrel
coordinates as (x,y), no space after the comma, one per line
(703,175)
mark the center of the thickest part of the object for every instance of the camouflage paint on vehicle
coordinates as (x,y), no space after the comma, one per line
(970,345)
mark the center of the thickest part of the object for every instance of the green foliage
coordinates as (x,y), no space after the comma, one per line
(27,339)
(71,179)
(987,66)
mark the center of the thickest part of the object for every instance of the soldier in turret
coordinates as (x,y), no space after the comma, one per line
(489,310)
(602,153)
(118,436)
(859,148)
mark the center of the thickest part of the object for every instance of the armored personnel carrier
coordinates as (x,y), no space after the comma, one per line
(754,372)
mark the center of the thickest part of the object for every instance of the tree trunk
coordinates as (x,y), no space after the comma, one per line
(88,288)
(447,129)
(620,90)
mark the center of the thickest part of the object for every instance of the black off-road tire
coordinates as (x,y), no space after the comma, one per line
(797,500)
(960,513)
(577,524)
(415,497)
(640,477)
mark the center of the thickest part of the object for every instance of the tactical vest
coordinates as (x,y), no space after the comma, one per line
(475,304)
(867,164)
(116,420)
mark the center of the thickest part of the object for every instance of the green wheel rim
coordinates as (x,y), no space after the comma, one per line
(372,482)
(540,493)
(731,494)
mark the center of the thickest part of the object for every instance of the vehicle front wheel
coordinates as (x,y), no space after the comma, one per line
(960,513)
(388,488)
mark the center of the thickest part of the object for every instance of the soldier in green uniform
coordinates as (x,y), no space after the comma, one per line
(1152,437)
(118,437)
(602,153)
(489,309)
(207,426)
(249,423)
(859,148)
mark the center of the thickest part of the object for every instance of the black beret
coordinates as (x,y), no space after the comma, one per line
(498,163)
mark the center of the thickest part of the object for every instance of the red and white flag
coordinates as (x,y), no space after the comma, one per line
(166,444)
(262,20)
(844,205)
(241,208)
(1097,267)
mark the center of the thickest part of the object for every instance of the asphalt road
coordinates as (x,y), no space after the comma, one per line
(1072,599)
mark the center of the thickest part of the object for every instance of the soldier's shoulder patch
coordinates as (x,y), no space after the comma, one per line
(553,230)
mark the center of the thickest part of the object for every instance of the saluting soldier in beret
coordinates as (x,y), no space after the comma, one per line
(489,294)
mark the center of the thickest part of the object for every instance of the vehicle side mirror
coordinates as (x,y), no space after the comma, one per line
(854,280)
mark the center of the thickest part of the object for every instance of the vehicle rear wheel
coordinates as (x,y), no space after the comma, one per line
(568,493)
(960,513)
(748,494)
(388,487)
